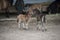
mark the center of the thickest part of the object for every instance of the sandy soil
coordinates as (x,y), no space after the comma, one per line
(10,31)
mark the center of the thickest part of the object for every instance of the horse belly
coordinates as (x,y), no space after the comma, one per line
(21,18)
(24,19)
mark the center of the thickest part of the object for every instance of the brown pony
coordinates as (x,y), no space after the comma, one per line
(23,20)
(40,18)
(36,13)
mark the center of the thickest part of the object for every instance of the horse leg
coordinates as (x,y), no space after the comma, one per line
(44,19)
(42,23)
(38,21)
(19,24)
(37,25)
(25,25)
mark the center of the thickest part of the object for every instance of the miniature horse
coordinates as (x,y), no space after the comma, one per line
(40,17)
(23,20)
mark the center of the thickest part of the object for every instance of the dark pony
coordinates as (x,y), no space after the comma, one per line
(40,17)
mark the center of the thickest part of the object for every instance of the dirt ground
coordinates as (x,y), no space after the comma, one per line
(10,31)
